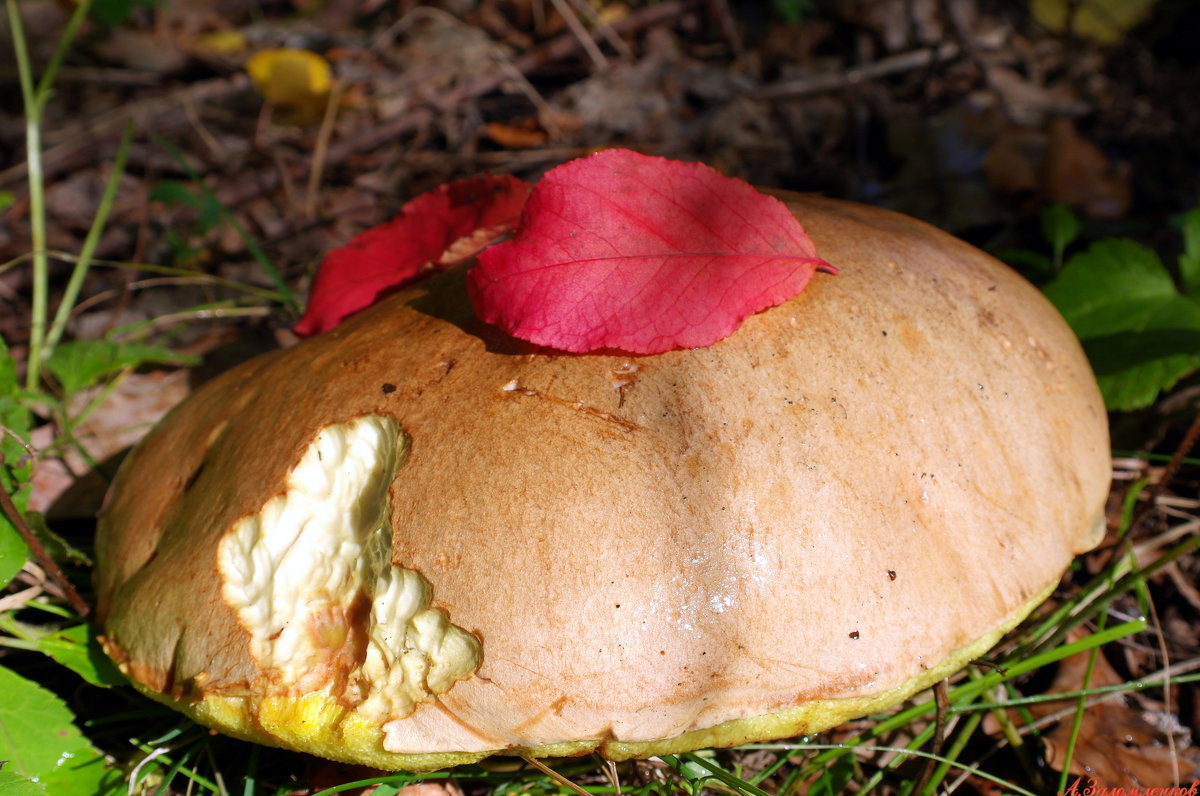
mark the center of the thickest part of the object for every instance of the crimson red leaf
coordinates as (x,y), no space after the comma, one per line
(641,254)
(447,224)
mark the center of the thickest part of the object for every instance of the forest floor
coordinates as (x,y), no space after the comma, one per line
(974,115)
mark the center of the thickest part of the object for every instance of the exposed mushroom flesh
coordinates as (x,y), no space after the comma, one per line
(312,580)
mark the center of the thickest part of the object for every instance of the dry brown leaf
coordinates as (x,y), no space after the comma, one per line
(1118,745)
(1077,173)
(1027,101)
(517,136)
(900,24)
(1013,162)
(1057,165)
(148,50)
(69,486)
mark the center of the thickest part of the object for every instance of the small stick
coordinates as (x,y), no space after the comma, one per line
(585,39)
(721,10)
(233,193)
(75,145)
(604,28)
(941,698)
(320,150)
(40,555)
(895,64)
(557,777)
(1172,469)
(610,773)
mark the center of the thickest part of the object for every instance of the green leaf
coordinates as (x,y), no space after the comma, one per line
(12,784)
(13,415)
(1189,261)
(40,741)
(77,649)
(1141,334)
(80,364)
(13,550)
(834,778)
(1114,286)
(56,547)
(117,12)
(1034,266)
(180,194)
(1060,225)
(794,11)
(15,465)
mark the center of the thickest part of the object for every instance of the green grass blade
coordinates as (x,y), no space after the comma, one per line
(37,196)
(289,298)
(75,284)
(1102,582)
(1080,707)
(390,779)
(78,15)
(839,749)
(721,775)
(1124,584)
(971,689)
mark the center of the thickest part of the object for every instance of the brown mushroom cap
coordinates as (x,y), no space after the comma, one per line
(831,509)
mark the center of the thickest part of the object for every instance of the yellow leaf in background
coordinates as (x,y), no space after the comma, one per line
(290,77)
(1103,21)
(222,42)
(610,13)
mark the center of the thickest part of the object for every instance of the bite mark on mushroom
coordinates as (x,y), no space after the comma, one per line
(311,579)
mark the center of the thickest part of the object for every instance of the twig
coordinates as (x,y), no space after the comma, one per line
(561,47)
(609,769)
(604,28)
(941,698)
(79,143)
(565,45)
(321,149)
(729,29)
(585,40)
(212,144)
(16,600)
(256,183)
(1111,694)
(161,114)
(1168,708)
(1190,437)
(904,62)
(40,555)
(554,775)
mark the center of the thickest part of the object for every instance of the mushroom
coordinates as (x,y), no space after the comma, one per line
(413,542)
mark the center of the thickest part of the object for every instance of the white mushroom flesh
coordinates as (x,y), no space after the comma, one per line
(311,579)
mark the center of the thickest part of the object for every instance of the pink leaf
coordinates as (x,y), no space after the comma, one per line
(641,254)
(447,224)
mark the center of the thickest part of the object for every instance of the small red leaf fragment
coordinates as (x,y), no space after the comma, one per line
(641,254)
(433,230)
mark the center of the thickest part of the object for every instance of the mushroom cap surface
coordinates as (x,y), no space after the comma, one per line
(810,520)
